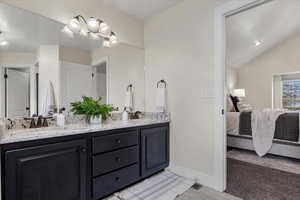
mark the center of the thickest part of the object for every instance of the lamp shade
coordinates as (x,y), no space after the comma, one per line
(239,93)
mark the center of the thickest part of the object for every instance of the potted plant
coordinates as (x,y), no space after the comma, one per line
(92,109)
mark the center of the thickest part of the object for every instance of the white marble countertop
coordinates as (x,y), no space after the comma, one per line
(74,129)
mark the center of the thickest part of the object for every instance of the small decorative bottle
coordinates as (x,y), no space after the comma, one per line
(125,115)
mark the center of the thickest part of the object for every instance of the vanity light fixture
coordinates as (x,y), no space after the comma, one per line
(92,28)
(3,41)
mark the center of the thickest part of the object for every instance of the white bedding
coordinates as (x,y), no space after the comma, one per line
(232,122)
(263,125)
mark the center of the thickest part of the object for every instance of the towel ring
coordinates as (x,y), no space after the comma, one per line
(129,87)
(162,82)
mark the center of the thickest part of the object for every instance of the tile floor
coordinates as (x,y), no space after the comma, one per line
(205,193)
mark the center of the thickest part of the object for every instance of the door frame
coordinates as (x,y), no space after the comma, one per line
(108,83)
(3,109)
(221,12)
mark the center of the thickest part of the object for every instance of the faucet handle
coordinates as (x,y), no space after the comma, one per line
(45,123)
(39,123)
(32,123)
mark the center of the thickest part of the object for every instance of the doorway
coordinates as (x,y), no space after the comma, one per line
(100,81)
(16,92)
(245,45)
(221,13)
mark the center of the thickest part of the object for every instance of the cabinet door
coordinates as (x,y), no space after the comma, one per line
(48,172)
(155,150)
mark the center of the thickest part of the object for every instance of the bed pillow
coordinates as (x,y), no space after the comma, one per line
(235,101)
(230,106)
(244,107)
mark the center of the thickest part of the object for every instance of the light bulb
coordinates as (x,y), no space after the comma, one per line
(68,31)
(257,43)
(104,28)
(74,25)
(3,43)
(113,38)
(93,25)
(106,43)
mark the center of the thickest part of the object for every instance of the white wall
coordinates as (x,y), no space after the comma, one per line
(17,58)
(128,29)
(257,76)
(49,70)
(125,66)
(231,79)
(179,46)
(75,55)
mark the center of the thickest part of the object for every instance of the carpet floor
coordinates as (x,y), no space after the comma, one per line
(253,182)
(270,161)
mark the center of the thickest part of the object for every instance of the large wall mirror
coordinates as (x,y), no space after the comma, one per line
(37,56)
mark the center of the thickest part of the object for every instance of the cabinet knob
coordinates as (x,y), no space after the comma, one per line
(118,159)
(117,179)
(118,141)
(83,150)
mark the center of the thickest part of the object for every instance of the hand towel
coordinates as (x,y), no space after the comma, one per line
(129,100)
(48,104)
(161,99)
(263,129)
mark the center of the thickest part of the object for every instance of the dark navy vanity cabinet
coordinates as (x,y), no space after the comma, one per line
(87,166)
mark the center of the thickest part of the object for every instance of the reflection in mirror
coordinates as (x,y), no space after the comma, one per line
(100,80)
(74,66)
(20,86)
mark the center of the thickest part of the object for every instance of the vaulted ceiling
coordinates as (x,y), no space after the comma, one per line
(252,32)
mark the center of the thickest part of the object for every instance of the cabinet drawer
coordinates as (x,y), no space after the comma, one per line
(113,142)
(117,159)
(112,182)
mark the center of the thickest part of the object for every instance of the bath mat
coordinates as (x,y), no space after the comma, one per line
(164,186)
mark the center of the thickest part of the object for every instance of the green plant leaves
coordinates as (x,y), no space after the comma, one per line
(91,108)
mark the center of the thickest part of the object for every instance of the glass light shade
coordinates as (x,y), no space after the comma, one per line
(93,25)
(94,36)
(83,33)
(74,25)
(104,28)
(68,31)
(106,43)
(3,43)
(239,93)
(113,39)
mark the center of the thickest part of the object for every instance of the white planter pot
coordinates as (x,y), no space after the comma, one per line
(96,120)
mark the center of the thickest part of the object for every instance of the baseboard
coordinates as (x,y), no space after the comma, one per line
(201,178)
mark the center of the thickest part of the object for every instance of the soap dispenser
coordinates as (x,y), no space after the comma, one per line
(125,115)
(60,118)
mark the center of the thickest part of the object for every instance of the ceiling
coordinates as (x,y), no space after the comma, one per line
(270,24)
(141,9)
(26,32)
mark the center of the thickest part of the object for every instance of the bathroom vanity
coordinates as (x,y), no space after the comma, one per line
(82,163)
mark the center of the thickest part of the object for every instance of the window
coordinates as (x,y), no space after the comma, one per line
(291,94)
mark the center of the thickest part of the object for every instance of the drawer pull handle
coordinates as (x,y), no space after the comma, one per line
(118,159)
(117,179)
(118,141)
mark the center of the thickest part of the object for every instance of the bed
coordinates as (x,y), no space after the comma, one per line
(286,139)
